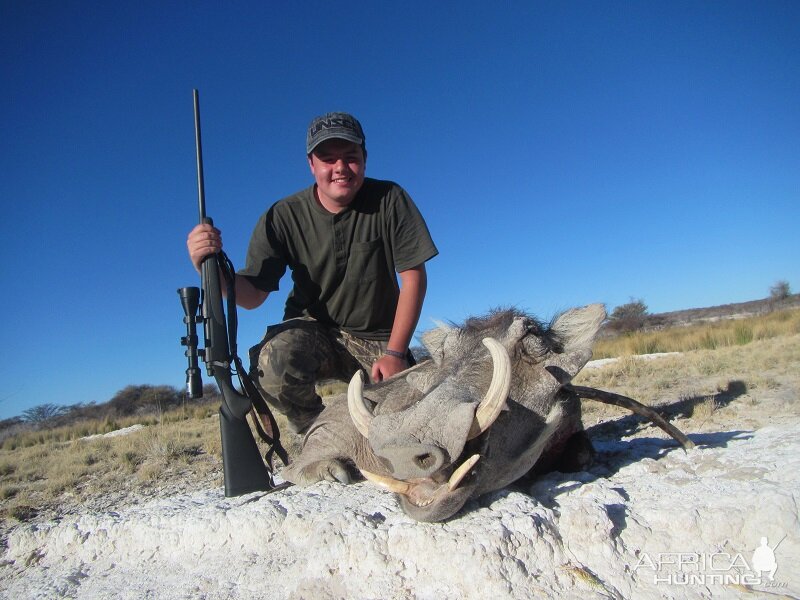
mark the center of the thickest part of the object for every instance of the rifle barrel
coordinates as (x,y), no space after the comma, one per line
(201,190)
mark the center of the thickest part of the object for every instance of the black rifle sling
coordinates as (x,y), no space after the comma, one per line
(260,410)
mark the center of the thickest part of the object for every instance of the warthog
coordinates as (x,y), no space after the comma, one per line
(494,403)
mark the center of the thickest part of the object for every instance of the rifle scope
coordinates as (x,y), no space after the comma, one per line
(190,300)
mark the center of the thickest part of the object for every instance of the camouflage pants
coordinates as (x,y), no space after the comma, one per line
(296,354)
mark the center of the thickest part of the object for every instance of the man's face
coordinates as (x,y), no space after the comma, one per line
(338,167)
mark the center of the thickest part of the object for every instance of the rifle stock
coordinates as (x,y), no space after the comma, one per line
(244,469)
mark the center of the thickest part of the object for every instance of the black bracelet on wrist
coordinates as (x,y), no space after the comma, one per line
(395,353)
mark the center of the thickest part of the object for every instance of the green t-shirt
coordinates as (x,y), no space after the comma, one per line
(343,265)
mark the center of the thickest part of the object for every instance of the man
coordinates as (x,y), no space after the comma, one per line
(343,238)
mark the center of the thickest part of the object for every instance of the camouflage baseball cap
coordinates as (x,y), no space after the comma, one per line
(334,125)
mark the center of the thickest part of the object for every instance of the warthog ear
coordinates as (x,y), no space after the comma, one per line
(576,328)
(436,339)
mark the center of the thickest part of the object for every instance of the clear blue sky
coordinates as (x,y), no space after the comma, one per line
(561,152)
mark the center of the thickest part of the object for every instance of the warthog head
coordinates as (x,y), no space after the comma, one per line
(481,414)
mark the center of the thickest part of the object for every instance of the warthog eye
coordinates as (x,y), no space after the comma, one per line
(534,347)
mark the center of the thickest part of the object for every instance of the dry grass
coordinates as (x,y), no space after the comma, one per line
(699,383)
(88,427)
(706,336)
(705,408)
(53,472)
(55,476)
(329,388)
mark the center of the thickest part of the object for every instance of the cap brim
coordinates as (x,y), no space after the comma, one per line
(334,135)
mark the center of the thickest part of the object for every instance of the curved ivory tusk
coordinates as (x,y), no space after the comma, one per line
(361,415)
(495,399)
(404,488)
(461,472)
(393,485)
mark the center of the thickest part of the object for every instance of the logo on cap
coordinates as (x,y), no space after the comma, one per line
(334,125)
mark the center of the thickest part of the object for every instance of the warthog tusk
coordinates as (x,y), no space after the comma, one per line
(405,489)
(361,415)
(461,472)
(393,485)
(495,399)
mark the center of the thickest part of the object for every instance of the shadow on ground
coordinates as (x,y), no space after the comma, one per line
(681,409)
(613,453)
(612,456)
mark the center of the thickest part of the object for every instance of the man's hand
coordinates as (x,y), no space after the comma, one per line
(414,282)
(386,366)
(203,240)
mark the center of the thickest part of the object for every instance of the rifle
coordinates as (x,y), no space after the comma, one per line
(243,468)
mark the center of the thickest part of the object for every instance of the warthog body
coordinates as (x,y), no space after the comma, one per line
(494,402)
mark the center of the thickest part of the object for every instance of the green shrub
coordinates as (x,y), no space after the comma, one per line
(742,334)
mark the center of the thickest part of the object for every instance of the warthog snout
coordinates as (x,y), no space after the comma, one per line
(413,461)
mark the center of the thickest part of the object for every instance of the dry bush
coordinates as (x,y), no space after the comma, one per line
(628,317)
(780,290)
(705,409)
